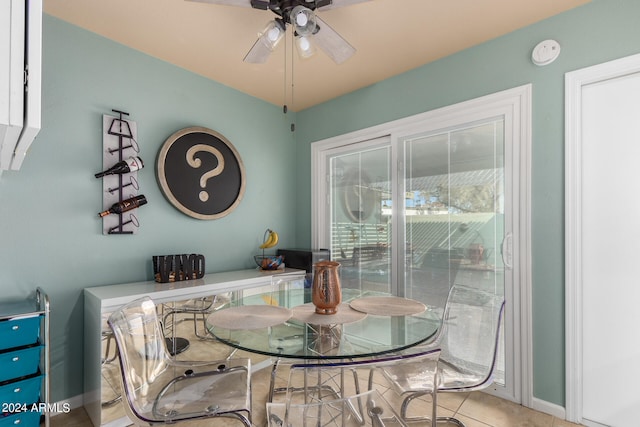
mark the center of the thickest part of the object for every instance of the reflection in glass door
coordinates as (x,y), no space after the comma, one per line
(360,233)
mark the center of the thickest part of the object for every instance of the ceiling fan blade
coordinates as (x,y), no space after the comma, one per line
(267,41)
(258,54)
(332,43)
(333,4)
(242,3)
(256,4)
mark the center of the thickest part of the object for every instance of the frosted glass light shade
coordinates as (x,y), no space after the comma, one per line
(272,35)
(303,20)
(305,46)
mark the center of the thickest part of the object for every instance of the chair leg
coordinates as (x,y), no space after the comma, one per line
(409,399)
(434,407)
(164,323)
(451,420)
(405,406)
(108,336)
(246,419)
(272,380)
(436,419)
(111,402)
(175,345)
(204,325)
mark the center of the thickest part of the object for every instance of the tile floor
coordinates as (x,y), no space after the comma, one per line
(476,409)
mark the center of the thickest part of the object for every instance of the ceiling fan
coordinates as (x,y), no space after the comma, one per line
(308,28)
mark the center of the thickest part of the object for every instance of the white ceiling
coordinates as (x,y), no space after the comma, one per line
(391,37)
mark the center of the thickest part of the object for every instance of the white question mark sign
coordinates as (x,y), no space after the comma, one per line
(196,163)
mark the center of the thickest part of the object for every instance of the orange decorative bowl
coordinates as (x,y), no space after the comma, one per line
(268,262)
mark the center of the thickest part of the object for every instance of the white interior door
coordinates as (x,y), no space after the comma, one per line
(605,183)
(611,149)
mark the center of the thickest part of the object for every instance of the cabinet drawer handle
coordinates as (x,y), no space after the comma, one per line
(15,359)
(15,327)
(17,390)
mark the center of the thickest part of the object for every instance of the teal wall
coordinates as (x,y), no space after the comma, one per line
(50,232)
(51,237)
(600,31)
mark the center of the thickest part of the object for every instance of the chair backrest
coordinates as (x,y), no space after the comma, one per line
(143,352)
(470,336)
(376,412)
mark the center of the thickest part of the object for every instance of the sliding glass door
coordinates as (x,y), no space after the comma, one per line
(440,222)
(415,206)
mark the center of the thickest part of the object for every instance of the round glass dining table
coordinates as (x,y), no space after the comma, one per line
(284,324)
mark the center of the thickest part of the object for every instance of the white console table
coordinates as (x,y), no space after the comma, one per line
(99,301)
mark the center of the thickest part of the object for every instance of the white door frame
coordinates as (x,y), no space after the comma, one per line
(574,83)
(517,103)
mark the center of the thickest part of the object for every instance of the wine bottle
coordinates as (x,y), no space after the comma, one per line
(125,205)
(124,166)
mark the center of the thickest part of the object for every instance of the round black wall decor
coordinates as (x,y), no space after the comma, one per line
(201,173)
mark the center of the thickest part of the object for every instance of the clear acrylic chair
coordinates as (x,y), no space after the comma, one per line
(329,381)
(158,389)
(337,412)
(469,341)
(110,355)
(198,308)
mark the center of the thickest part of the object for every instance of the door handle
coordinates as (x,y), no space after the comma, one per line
(506,249)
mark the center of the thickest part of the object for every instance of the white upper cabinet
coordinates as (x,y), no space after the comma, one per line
(20,79)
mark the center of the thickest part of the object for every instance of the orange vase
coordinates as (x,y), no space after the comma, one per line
(326,293)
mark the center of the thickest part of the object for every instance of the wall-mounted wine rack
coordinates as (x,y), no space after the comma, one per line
(119,141)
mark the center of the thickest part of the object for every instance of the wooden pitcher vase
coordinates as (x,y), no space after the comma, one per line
(326,293)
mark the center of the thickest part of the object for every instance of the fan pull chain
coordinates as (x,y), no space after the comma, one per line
(284,86)
(285,109)
(293,125)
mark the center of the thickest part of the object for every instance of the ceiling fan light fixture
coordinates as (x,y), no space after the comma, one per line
(304,23)
(303,20)
(272,34)
(305,46)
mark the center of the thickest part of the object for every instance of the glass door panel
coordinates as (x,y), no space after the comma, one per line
(454,212)
(360,224)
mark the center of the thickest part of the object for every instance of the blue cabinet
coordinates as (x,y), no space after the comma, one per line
(24,361)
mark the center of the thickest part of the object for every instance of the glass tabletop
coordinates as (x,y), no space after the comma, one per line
(291,328)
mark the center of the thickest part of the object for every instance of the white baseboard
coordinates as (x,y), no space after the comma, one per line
(590,423)
(548,408)
(76,402)
(66,405)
